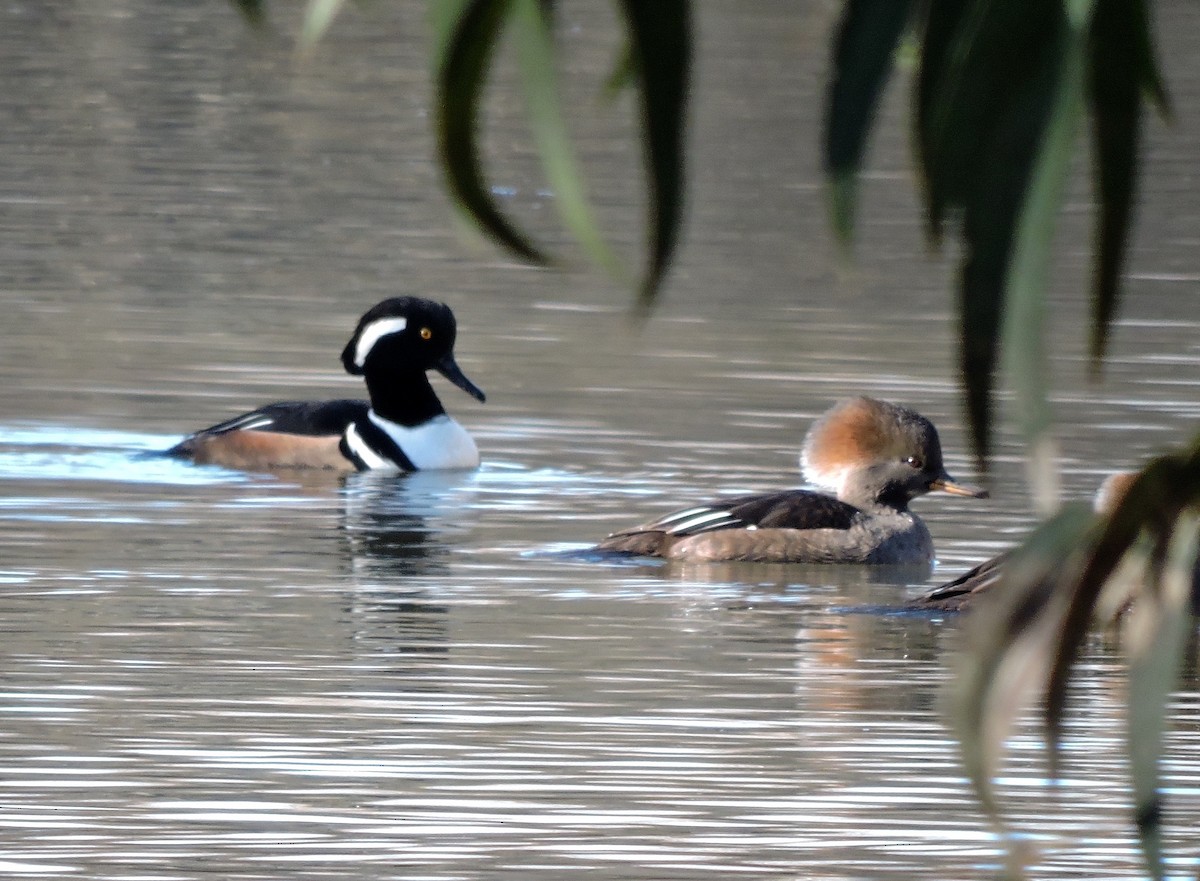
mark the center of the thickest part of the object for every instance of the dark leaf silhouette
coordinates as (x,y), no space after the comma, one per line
(660,48)
(461,79)
(862,59)
(1140,563)
(1122,70)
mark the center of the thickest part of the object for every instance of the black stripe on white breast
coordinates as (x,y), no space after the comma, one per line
(791,509)
(369,447)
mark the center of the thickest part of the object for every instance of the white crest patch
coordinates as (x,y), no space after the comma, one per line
(829,479)
(437,443)
(373,333)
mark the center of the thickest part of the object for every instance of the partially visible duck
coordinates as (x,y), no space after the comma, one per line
(872,457)
(402,428)
(966,589)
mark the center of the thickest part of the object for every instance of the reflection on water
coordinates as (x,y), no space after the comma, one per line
(420,693)
(50,452)
(210,674)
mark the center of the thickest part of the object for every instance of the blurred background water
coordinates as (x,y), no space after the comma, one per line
(206,673)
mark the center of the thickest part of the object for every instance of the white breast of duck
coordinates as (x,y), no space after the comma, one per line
(379,444)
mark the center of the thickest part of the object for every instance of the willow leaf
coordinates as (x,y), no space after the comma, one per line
(318,16)
(254,11)
(1158,628)
(988,79)
(939,76)
(444,16)
(661,49)
(862,59)
(1011,636)
(1028,274)
(1153,501)
(622,76)
(535,52)
(1145,60)
(1116,100)
(461,78)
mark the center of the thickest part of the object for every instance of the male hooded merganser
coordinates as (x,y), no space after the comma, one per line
(874,456)
(966,589)
(403,428)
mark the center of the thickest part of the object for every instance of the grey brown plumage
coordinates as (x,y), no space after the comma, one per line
(874,456)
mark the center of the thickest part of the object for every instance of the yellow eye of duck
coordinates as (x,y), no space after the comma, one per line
(426,333)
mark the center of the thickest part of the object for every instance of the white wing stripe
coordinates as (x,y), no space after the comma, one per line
(709,518)
(681,515)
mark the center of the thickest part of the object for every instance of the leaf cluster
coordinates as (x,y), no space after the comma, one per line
(1136,565)
(999,88)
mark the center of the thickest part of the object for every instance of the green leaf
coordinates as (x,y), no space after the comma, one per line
(1121,68)
(862,59)
(661,49)
(1145,61)
(1011,635)
(938,71)
(988,79)
(462,74)
(1157,630)
(1155,501)
(622,76)
(254,11)
(318,16)
(535,52)
(1116,129)
(444,16)
(1028,275)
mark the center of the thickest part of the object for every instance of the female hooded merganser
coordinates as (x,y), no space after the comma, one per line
(874,456)
(961,593)
(403,428)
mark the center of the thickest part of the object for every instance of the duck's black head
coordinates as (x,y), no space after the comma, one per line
(405,335)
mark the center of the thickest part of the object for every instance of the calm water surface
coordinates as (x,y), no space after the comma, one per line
(210,674)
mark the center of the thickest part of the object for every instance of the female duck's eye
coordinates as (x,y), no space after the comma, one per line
(915,462)
(426,333)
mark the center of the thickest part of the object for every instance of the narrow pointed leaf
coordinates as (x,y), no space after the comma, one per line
(988,79)
(461,78)
(444,16)
(535,52)
(318,16)
(1011,635)
(862,59)
(1116,101)
(660,45)
(1145,60)
(938,75)
(622,76)
(1154,501)
(1028,274)
(254,11)
(1158,630)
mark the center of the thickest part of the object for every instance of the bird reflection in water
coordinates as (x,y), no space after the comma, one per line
(397,532)
(400,527)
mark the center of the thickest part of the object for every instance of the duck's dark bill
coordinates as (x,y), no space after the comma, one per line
(447,367)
